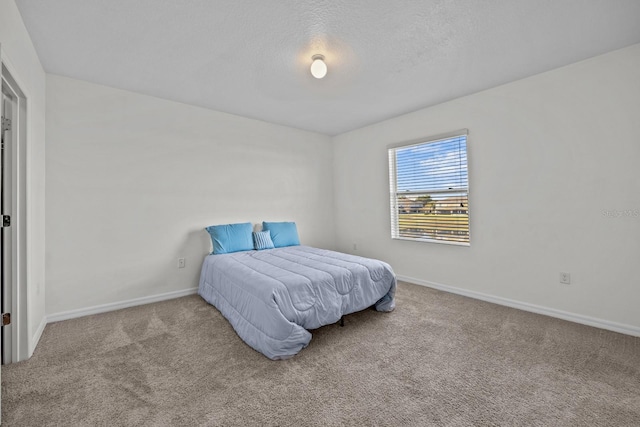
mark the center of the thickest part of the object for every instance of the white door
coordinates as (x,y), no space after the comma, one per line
(2,132)
(8,105)
(8,109)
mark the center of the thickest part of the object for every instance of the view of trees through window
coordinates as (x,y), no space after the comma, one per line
(429,190)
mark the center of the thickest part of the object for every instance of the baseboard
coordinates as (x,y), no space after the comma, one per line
(36,337)
(72,314)
(572,317)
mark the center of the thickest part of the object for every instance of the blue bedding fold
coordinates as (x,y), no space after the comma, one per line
(273,297)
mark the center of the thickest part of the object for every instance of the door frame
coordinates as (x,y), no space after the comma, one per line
(20,212)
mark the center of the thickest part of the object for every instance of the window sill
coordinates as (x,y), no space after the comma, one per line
(442,242)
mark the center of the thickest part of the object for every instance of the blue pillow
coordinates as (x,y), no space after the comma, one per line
(262,240)
(282,233)
(228,238)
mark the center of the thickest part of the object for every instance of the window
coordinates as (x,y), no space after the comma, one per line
(430,190)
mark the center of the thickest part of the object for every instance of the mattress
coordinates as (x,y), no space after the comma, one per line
(272,298)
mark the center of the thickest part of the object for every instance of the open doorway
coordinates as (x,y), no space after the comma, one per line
(13,106)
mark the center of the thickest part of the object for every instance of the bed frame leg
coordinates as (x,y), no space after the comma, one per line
(342,321)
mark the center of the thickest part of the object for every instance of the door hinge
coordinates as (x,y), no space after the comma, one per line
(6,319)
(6,221)
(6,124)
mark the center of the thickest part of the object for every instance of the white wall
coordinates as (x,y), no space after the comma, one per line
(19,55)
(547,156)
(132,181)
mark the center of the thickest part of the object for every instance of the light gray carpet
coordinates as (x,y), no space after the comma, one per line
(439,359)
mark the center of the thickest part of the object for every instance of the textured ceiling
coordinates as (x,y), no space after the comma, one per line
(385,58)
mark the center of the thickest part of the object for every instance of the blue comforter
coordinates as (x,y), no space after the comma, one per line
(272,297)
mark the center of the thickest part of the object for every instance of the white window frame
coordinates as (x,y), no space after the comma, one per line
(394,193)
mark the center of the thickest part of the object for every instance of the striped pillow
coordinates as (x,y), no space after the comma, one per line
(262,240)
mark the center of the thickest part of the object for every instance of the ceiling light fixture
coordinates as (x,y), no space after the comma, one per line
(318,67)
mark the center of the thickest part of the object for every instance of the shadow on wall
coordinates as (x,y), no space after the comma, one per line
(194,247)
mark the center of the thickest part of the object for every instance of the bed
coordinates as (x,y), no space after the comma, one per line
(273,297)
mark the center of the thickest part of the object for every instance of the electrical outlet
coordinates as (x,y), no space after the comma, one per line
(355,247)
(180,262)
(565,278)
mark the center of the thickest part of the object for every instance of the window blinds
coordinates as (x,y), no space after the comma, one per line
(430,190)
